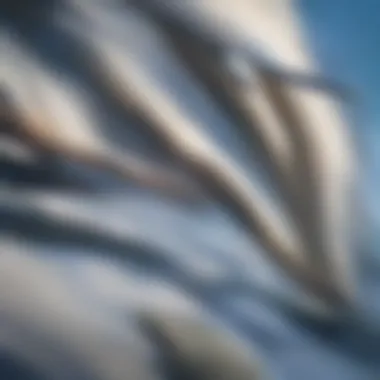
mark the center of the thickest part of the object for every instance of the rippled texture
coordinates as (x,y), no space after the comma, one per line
(182,272)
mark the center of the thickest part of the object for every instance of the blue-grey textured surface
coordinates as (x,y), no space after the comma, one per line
(200,250)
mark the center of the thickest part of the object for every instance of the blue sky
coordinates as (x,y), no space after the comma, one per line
(346,38)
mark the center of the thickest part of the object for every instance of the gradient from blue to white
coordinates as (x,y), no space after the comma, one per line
(345,37)
(344,34)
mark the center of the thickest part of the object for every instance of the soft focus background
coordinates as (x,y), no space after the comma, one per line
(201,249)
(345,35)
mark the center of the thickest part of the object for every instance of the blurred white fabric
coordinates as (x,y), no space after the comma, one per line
(100,260)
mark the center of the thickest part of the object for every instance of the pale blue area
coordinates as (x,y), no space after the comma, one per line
(345,36)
